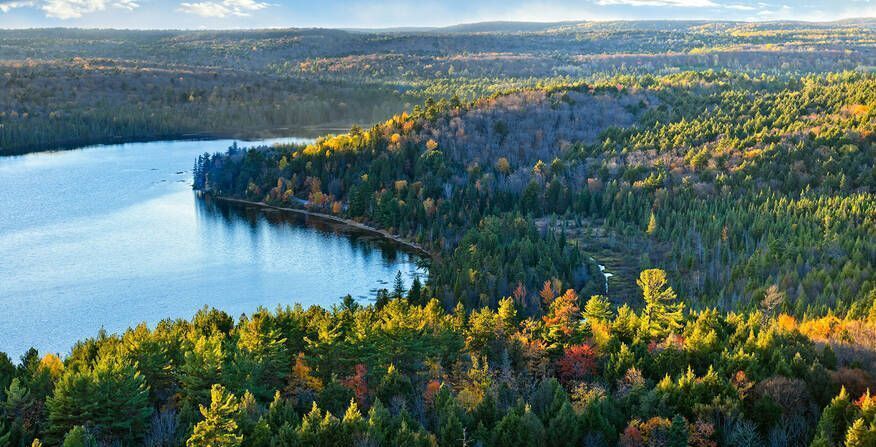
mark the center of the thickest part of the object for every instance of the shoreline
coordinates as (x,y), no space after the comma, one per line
(243,135)
(338,220)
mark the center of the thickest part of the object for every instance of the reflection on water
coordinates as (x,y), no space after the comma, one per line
(365,245)
(112,236)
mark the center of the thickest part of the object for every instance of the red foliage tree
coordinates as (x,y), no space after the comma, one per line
(359,384)
(432,389)
(578,362)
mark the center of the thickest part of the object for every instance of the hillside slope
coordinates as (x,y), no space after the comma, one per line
(732,184)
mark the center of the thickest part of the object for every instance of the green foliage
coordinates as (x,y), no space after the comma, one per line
(219,427)
(79,437)
(113,397)
(751,194)
(597,309)
(488,377)
(661,315)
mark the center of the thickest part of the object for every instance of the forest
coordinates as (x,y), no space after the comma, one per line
(64,88)
(731,183)
(724,173)
(406,372)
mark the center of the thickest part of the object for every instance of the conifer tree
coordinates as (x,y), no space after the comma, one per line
(835,420)
(597,309)
(78,436)
(858,434)
(565,422)
(122,402)
(377,431)
(507,314)
(398,286)
(415,295)
(662,315)
(652,225)
(678,432)
(219,426)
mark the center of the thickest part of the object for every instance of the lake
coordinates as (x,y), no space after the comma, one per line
(111,236)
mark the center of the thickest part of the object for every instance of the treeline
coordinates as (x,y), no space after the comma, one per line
(67,88)
(53,105)
(736,184)
(397,373)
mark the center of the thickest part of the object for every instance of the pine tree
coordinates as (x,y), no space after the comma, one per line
(121,397)
(597,309)
(415,295)
(79,437)
(652,225)
(678,432)
(859,435)
(507,314)
(835,419)
(450,429)
(507,431)
(202,367)
(661,315)
(398,287)
(219,427)
(377,431)
(564,429)
(354,425)
(68,406)
(532,432)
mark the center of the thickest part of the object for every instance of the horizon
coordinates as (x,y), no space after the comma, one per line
(360,15)
(426,28)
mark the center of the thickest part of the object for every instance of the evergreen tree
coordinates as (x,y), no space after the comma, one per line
(598,309)
(219,427)
(450,431)
(69,406)
(565,423)
(398,287)
(121,398)
(377,431)
(661,315)
(78,436)
(354,425)
(415,295)
(678,432)
(859,436)
(835,420)
(652,225)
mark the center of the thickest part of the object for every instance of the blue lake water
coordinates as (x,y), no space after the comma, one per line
(111,236)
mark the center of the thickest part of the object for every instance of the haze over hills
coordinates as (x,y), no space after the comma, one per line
(192,82)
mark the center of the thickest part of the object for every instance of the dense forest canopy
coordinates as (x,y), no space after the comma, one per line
(731,183)
(406,374)
(723,172)
(70,87)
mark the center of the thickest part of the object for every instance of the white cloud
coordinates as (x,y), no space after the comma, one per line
(8,6)
(224,8)
(74,9)
(670,3)
(205,9)
(130,5)
(741,7)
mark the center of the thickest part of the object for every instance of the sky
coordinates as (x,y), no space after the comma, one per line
(235,14)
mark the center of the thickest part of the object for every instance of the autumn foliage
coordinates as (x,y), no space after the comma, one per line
(577,363)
